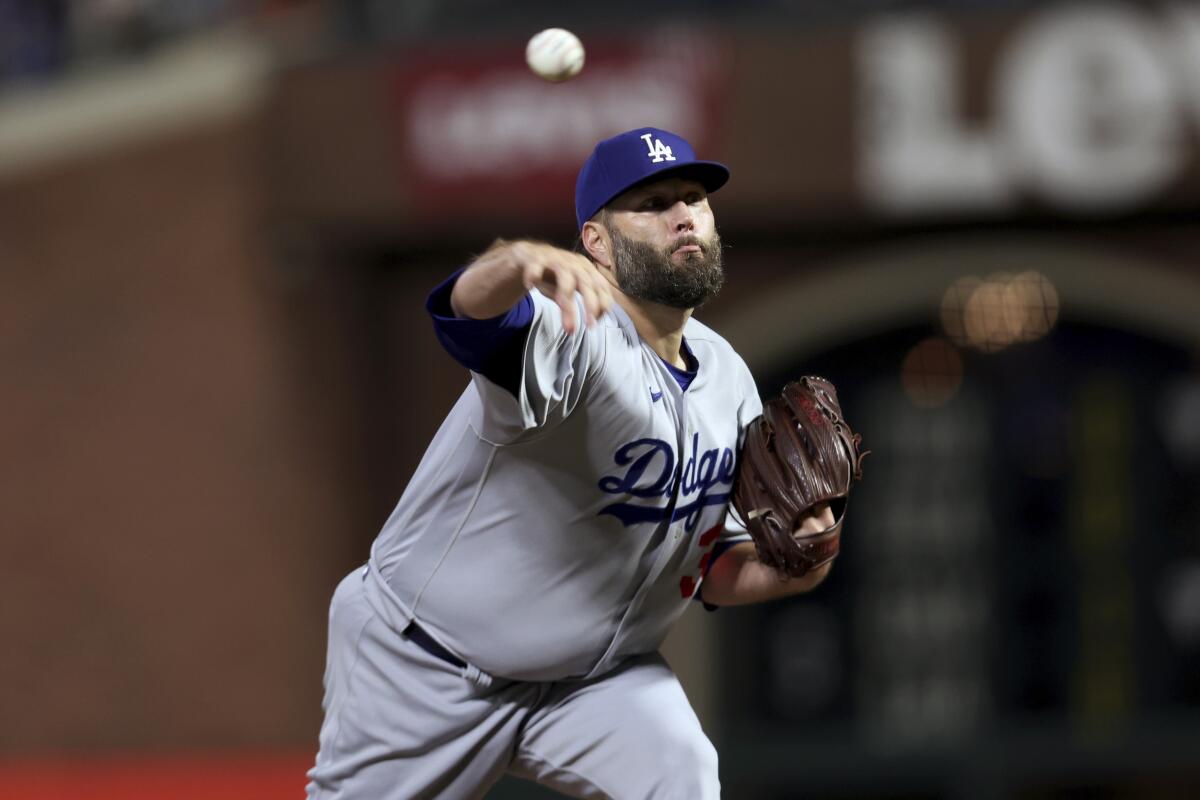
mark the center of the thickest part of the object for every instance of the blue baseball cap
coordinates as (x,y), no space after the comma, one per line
(627,159)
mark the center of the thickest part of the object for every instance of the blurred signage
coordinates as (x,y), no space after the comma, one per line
(1084,109)
(1089,108)
(482,133)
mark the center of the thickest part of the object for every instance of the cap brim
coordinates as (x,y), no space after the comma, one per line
(712,175)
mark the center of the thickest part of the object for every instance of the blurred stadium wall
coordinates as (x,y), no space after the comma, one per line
(217,227)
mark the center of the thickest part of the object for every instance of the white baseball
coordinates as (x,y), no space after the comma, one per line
(555,54)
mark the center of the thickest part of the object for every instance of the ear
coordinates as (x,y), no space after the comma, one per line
(597,243)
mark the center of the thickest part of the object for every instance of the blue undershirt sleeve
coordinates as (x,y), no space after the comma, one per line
(492,347)
(718,550)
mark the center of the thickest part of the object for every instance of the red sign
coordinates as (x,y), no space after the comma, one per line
(482,134)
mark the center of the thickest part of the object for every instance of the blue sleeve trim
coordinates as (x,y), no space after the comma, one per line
(719,549)
(492,347)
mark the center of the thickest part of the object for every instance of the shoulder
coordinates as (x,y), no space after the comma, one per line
(701,336)
(587,346)
(614,330)
(735,375)
(545,309)
(548,322)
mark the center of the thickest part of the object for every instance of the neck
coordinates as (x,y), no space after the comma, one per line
(660,326)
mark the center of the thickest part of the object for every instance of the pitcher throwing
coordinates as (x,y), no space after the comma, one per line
(571,505)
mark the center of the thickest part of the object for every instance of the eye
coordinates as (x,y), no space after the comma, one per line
(653,203)
(692,198)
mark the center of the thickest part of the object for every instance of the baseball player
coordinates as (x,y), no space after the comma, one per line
(569,508)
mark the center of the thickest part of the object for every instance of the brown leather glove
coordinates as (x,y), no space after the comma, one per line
(799,454)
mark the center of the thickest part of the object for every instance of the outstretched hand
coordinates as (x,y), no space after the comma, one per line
(559,274)
(508,270)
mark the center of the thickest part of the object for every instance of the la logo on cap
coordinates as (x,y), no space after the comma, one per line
(659,152)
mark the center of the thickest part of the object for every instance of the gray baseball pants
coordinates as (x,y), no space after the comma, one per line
(402,723)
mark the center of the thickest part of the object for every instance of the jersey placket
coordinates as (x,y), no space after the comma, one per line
(670,531)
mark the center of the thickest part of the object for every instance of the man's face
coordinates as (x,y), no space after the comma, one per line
(665,244)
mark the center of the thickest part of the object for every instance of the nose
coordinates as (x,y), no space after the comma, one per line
(683,217)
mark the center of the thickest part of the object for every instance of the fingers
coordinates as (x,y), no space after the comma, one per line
(578,274)
(819,519)
(559,275)
(594,289)
(564,294)
(591,301)
(825,516)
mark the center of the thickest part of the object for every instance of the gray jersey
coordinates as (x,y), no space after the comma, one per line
(554,534)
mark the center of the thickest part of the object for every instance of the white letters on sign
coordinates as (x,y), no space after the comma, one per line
(1089,111)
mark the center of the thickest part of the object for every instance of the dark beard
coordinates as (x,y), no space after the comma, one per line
(646,273)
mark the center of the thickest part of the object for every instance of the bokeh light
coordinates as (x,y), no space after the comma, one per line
(992,313)
(932,372)
(953,303)
(1033,302)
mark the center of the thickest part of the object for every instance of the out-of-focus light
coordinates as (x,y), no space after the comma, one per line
(1033,302)
(986,317)
(932,372)
(1000,310)
(953,303)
